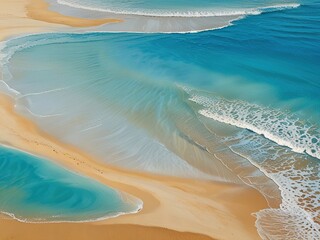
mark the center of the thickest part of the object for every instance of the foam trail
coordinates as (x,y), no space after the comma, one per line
(298,216)
(189,13)
(150,111)
(280,127)
(153,21)
(294,172)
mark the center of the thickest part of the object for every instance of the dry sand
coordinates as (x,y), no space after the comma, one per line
(38,10)
(173,208)
(30,16)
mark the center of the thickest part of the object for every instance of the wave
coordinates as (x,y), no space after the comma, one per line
(199,13)
(281,127)
(296,175)
(291,169)
(253,147)
(162,21)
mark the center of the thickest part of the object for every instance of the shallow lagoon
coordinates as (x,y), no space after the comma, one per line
(33,189)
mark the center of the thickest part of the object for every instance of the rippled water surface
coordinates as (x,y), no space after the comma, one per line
(238,104)
(37,190)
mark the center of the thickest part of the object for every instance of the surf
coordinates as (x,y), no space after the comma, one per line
(280,127)
(163,19)
(232,108)
(221,9)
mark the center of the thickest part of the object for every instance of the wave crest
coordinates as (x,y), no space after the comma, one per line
(280,127)
(175,13)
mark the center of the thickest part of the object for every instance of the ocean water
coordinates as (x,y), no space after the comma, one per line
(237,104)
(37,190)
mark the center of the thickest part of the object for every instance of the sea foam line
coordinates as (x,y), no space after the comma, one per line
(226,15)
(159,13)
(293,173)
(278,127)
(41,221)
(298,209)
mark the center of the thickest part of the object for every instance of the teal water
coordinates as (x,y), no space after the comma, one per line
(239,104)
(37,190)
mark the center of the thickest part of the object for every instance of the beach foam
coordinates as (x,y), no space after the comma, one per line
(295,173)
(277,126)
(189,13)
(297,177)
(164,21)
(126,84)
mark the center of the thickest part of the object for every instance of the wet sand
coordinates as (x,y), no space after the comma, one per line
(97,232)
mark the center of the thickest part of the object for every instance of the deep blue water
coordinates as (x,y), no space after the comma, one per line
(193,105)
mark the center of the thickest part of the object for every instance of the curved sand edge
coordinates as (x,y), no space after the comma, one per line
(34,16)
(39,10)
(207,208)
(184,205)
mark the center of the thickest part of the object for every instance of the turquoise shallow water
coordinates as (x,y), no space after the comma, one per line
(37,190)
(238,104)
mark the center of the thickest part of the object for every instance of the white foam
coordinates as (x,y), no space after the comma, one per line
(295,173)
(280,127)
(6,52)
(226,110)
(168,13)
(42,220)
(298,180)
(277,224)
(292,170)
(159,21)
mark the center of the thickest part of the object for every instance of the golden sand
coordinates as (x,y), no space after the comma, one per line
(95,232)
(214,209)
(38,10)
(31,16)
(174,208)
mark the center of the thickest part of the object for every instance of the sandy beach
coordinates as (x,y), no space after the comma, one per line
(173,208)
(32,16)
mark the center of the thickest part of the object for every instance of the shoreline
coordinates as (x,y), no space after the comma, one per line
(137,203)
(209,209)
(39,10)
(18,17)
(220,207)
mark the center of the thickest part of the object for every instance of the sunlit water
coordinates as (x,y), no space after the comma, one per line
(238,104)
